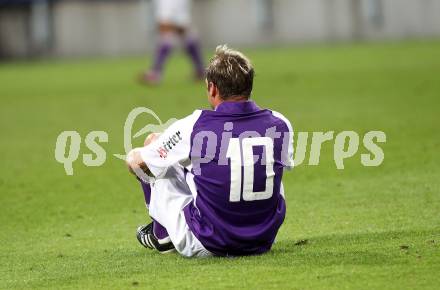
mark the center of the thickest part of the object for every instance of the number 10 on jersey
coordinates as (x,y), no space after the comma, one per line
(245,149)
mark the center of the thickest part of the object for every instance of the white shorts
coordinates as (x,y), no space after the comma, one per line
(169,195)
(177,12)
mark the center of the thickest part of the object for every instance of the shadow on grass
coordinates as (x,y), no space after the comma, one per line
(383,248)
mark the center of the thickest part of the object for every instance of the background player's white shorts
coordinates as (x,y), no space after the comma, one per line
(177,12)
(169,195)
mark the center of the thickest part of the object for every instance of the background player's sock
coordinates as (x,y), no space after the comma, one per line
(163,51)
(192,47)
(159,231)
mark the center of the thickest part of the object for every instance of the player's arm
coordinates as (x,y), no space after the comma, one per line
(134,158)
(287,147)
(165,150)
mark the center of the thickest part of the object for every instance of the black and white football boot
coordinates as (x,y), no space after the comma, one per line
(146,237)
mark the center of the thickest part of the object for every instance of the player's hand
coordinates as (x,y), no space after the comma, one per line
(135,163)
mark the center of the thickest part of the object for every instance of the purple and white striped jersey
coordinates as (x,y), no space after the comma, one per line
(233,160)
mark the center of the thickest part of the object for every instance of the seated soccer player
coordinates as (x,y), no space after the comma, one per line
(212,180)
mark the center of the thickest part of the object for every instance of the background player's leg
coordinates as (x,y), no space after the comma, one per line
(159,231)
(167,35)
(192,47)
(163,51)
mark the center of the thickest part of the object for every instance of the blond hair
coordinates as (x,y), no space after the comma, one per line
(231,71)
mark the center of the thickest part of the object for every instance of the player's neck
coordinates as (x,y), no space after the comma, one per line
(233,99)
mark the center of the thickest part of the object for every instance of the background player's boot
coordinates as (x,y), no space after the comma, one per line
(146,237)
(150,78)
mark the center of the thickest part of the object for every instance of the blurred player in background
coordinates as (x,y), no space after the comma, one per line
(174,20)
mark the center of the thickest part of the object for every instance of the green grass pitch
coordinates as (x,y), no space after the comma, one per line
(366,228)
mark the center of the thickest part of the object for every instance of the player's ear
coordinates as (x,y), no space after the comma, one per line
(212,90)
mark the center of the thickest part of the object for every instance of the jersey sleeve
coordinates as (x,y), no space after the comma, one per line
(172,147)
(287,148)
